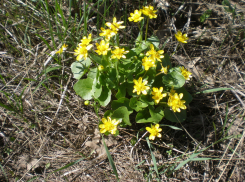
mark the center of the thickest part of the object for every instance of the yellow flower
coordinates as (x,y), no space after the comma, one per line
(115,25)
(85,41)
(102,48)
(156,55)
(175,102)
(157,94)
(149,11)
(185,73)
(154,131)
(148,62)
(139,86)
(63,48)
(181,38)
(82,52)
(164,69)
(108,33)
(136,16)
(109,125)
(118,53)
(100,68)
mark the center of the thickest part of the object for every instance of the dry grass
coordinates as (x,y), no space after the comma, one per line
(55,128)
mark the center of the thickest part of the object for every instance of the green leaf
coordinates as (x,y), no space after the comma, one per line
(144,116)
(166,61)
(96,58)
(138,40)
(97,88)
(175,116)
(156,114)
(108,113)
(205,15)
(154,40)
(136,104)
(83,88)
(93,73)
(145,45)
(112,78)
(122,113)
(187,96)
(121,102)
(137,50)
(121,91)
(105,97)
(150,75)
(147,99)
(174,78)
(79,68)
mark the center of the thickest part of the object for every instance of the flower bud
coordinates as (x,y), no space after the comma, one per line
(100,67)
(86,102)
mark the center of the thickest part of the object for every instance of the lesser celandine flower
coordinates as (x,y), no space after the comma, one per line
(148,62)
(102,48)
(140,86)
(107,33)
(185,73)
(175,102)
(136,16)
(85,41)
(157,94)
(82,52)
(149,11)
(115,25)
(154,131)
(118,53)
(181,38)
(109,125)
(156,55)
(63,48)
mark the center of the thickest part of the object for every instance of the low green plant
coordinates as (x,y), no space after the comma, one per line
(137,79)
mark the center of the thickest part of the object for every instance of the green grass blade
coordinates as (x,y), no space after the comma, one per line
(110,159)
(153,157)
(47,44)
(6,178)
(213,90)
(68,165)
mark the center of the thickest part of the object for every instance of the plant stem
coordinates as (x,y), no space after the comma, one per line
(146,28)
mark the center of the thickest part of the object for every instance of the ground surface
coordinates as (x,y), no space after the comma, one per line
(44,125)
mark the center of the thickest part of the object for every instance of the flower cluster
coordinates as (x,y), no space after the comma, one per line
(147,11)
(139,75)
(153,56)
